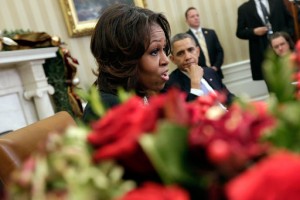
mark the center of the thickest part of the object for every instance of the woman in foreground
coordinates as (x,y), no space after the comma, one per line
(131,46)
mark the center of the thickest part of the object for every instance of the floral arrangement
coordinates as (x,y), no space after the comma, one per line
(177,150)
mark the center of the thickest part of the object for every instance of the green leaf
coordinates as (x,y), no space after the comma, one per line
(278,75)
(124,95)
(167,150)
(93,98)
(287,131)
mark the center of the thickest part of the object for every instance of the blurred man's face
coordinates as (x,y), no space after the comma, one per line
(193,19)
(185,53)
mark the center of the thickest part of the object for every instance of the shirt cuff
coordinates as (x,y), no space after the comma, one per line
(197,92)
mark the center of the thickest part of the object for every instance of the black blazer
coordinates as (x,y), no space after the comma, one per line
(108,100)
(248,19)
(214,48)
(183,82)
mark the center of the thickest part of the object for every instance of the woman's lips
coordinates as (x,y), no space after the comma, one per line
(165,76)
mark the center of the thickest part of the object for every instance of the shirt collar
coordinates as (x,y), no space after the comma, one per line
(196,30)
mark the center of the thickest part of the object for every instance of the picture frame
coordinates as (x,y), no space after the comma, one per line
(81,15)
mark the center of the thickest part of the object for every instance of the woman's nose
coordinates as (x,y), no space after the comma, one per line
(165,59)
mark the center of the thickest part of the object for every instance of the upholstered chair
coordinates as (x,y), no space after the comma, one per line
(17,145)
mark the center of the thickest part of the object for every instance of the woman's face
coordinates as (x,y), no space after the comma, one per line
(280,46)
(153,65)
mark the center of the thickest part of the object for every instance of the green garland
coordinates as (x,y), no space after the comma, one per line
(55,71)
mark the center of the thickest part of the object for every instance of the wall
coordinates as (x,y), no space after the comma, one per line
(45,15)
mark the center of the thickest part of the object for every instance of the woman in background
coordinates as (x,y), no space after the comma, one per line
(281,43)
(131,46)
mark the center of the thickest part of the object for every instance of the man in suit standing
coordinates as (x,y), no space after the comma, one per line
(211,54)
(189,76)
(257,20)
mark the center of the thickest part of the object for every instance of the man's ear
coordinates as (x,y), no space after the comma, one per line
(198,50)
(171,58)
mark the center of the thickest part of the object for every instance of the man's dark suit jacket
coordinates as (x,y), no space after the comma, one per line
(248,19)
(214,48)
(183,82)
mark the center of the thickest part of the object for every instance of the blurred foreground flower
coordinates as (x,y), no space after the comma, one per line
(154,191)
(63,170)
(276,177)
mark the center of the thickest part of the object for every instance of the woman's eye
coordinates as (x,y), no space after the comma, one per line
(154,52)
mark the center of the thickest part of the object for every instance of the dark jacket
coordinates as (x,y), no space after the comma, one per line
(109,100)
(214,48)
(183,82)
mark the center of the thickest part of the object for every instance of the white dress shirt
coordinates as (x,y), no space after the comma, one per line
(205,90)
(258,8)
(203,83)
(195,31)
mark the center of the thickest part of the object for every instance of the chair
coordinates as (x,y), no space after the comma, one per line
(16,146)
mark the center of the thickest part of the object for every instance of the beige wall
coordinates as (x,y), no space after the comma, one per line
(46,15)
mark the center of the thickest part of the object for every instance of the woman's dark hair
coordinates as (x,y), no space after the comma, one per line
(285,35)
(120,38)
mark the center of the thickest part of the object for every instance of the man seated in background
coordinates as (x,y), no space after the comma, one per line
(189,76)
(281,43)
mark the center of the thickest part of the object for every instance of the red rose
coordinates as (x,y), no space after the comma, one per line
(171,106)
(276,177)
(238,130)
(218,151)
(297,53)
(197,109)
(154,191)
(115,136)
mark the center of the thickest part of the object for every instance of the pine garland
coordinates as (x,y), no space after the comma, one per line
(55,71)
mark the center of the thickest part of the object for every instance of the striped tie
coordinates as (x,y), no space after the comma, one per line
(203,46)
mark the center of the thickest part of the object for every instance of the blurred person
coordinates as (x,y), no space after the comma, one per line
(281,43)
(258,20)
(211,54)
(131,46)
(189,76)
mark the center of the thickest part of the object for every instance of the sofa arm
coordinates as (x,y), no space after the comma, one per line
(17,146)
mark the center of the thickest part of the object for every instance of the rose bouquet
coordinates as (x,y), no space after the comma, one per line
(172,149)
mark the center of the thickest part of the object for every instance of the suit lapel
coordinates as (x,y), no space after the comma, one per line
(252,6)
(271,5)
(192,34)
(206,37)
(210,78)
(185,81)
(210,81)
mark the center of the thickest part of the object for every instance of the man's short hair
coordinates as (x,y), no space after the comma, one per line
(187,10)
(180,36)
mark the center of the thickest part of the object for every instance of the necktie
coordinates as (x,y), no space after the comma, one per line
(266,17)
(203,46)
